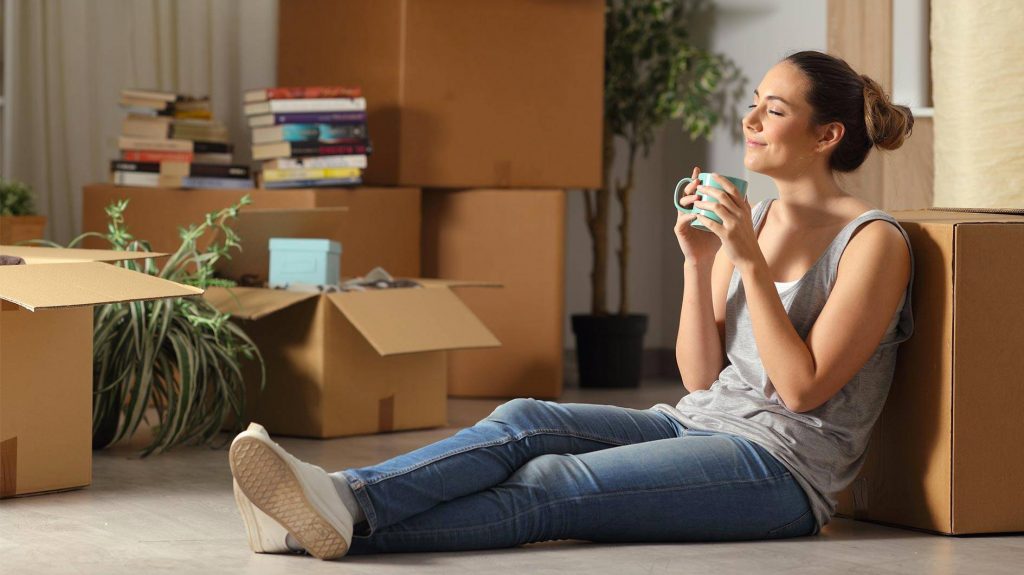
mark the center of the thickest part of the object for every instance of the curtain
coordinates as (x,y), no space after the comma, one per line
(71,59)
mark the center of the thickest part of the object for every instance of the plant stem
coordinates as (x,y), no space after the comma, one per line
(624,191)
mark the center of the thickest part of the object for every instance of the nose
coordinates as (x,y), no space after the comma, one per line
(752,120)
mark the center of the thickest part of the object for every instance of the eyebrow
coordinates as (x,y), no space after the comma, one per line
(770,97)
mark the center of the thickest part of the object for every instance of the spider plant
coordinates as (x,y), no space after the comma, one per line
(180,356)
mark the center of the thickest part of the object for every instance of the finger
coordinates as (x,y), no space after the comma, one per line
(725,183)
(724,199)
(710,224)
(688,199)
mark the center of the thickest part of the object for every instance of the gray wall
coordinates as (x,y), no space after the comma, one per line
(755,34)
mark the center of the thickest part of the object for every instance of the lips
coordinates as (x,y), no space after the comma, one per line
(755,143)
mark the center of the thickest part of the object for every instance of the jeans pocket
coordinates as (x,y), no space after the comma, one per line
(794,528)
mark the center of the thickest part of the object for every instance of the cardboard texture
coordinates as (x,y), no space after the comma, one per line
(462,93)
(15,229)
(944,454)
(515,238)
(354,362)
(257,227)
(46,360)
(386,231)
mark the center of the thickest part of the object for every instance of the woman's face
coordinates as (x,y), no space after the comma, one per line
(780,137)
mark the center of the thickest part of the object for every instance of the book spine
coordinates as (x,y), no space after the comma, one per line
(155,156)
(306,92)
(325,183)
(308,118)
(136,179)
(200,147)
(129,143)
(218,171)
(276,175)
(142,167)
(318,105)
(341,133)
(221,183)
(352,161)
(318,149)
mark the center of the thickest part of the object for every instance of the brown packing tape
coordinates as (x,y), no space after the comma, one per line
(9,467)
(386,414)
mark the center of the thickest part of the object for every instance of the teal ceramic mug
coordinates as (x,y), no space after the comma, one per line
(705,180)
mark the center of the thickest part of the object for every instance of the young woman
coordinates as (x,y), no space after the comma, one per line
(791,316)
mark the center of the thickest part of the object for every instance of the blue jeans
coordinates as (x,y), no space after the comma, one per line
(537,471)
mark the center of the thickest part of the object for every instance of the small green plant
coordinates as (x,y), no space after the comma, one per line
(180,356)
(16,198)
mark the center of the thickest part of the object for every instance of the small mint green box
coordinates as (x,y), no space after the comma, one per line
(304,260)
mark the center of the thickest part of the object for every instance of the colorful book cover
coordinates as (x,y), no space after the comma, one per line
(307,118)
(325,183)
(288,93)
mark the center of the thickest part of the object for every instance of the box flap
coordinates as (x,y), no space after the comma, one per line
(411,320)
(254,303)
(436,282)
(960,215)
(41,255)
(82,284)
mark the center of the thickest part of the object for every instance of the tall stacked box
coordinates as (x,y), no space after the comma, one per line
(462,93)
(944,454)
(515,238)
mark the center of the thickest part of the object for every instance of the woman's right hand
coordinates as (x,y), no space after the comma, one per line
(698,246)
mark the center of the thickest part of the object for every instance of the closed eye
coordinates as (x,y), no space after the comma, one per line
(769,111)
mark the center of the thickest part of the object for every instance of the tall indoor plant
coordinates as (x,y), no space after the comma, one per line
(179,356)
(654,72)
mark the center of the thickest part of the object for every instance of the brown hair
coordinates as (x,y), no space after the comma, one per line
(839,94)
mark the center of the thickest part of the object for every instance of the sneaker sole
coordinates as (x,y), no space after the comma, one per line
(269,483)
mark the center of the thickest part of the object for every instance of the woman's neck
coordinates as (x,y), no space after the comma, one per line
(806,198)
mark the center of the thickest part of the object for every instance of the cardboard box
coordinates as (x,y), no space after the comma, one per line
(515,238)
(350,363)
(46,359)
(16,229)
(386,232)
(945,453)
(461,93)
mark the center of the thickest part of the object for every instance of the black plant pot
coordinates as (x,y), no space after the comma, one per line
(609,349)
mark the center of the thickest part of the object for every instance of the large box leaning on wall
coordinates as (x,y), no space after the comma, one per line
(352,363)
(461,93)
(944,455)
(46,325)
(386,233)
(515,238)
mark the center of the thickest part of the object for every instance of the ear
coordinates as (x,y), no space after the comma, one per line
(829,136)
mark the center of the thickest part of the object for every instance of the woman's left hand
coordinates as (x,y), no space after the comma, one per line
(737,228)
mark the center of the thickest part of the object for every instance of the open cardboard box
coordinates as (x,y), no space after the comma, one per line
(944,455)
(46,363)
(344,363)
(349,363)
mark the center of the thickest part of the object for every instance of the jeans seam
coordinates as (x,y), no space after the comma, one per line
(791,523)
(501,441)
(597,496)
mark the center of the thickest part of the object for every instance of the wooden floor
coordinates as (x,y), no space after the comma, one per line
(175,513)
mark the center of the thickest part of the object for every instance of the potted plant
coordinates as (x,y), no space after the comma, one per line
(653,73)
(179,358)
(18,220)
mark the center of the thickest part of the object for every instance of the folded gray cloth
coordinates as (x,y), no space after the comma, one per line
(11,261)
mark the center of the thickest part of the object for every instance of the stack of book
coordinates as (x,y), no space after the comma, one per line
(313,136)
(171,140)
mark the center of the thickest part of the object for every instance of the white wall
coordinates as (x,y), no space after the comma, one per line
(755,34)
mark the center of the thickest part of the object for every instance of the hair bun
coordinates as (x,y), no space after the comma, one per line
(888,124)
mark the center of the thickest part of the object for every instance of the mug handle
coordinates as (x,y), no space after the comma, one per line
(675,196)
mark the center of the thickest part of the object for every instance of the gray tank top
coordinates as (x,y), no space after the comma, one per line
(823,448)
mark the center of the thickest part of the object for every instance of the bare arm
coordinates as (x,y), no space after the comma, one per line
(699,343)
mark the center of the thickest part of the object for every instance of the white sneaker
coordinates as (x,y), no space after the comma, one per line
(265,534)
(298,496)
